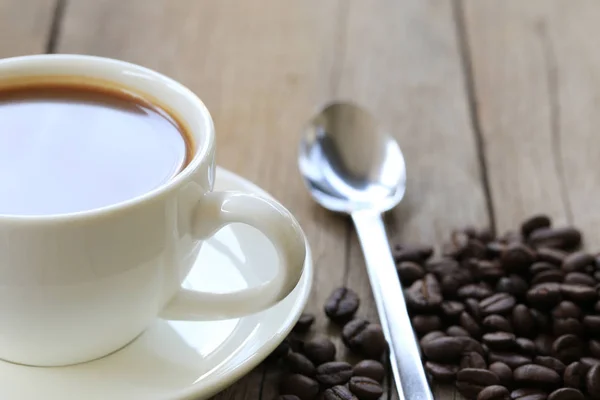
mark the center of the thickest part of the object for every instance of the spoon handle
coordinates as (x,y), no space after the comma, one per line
(405,359)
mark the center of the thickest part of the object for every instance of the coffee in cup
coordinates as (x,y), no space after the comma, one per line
(76,144)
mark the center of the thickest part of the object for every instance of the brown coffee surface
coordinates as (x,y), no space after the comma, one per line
(74,146)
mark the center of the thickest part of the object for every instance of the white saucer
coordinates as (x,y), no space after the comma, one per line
(182,360)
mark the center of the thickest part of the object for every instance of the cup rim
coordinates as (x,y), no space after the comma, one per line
(79,61)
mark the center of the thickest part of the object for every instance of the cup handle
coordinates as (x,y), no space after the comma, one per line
(214,211)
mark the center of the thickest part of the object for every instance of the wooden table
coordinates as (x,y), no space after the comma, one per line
(496,104)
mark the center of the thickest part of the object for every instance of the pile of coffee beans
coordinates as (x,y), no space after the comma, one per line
(514,317)
(311,368)
(510,317)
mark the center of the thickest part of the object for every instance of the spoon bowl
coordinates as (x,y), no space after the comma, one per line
(348,164)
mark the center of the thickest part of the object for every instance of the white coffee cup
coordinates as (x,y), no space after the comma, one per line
(75,287)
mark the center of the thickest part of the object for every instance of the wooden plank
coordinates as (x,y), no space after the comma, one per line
(25,26)
(261,73)
(401,60)
(522,104)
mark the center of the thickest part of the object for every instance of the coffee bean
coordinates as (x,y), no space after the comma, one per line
(471,344)
(414,253)
(512,284)
(580,278)
(524,324)
(577,261)
(472,359)
(341,305)
(567,326)
(589,362)
(334,373)
(503,372)
(365,388)
(561,238)
(424,294)
(472,307)
(574,375)
(532,374)
(339,393)
(567,348)
(494,392)
(544,295)
(280,351)
(534,222)
(288,397)
(299,385)
(371,369)
(592,382)
(499,303)
(471,381)
(550,362)
(423,324)
(542,322)
(444,349)
(566,309)
(490,270)
(590,269)
(551,255)
(578,293)
(553,275)
(457,246)
(526,346)
(304,323)
(486,349)
(474,290)
(517,257)
(442,266)
(528,394)
(364,338)
(300,364)
(466,321)
(494,249)
(513,360)
(543,344)
(452,309)
(500,341)
(456,331)
(475,249)
(564,326)
(443,373)
(592,323)
(451,282)
(431,336)
(542,266)
(296,344)
(594,347)
(319,350)
(409,271)
(495,322)
(566,394)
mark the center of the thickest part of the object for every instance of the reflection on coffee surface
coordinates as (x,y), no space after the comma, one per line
(78,145)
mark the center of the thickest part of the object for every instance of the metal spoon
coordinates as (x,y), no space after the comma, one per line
(350,166)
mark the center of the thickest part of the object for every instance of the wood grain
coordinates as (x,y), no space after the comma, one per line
(262,73)
(401,60)
(25,26)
